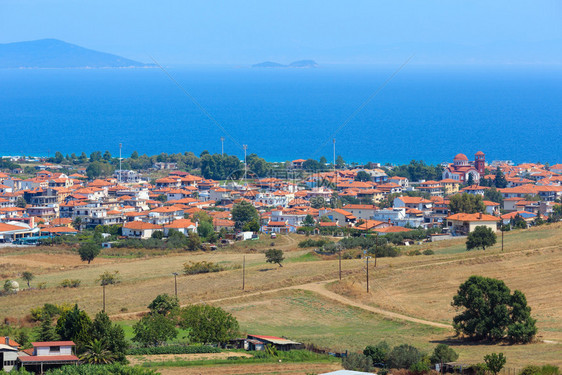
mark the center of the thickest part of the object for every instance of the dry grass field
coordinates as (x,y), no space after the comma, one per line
(417,286)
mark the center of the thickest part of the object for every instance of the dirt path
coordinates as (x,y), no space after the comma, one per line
(319,288)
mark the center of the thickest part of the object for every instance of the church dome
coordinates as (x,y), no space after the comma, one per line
(479,153)
(461,157)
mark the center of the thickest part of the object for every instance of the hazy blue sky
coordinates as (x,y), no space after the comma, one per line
(247,31)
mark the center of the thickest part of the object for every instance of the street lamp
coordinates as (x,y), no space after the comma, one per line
(175,284)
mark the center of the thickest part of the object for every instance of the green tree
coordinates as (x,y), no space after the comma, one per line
(357,362)
(312,165)
(112,334)
(20,202)
(205,230)
(27,277)
(97,353)
(83,158)
(209,324)
(251,226)
(308,221)
(274,256)
(340,163)
(135,155)
(362,176)
(480,237)
(493,195)
(244,212)
(164,304)
(154,330)
(470,180)
(522,327)
(46,330)
(74,325)
(323,160)
(403,356)
(489,311)
(107,156)
(193,241)
(466,203)
(378,353)
(58,157)
(442,354)
(157,235)
(500,181)
(494,362)
(88,251)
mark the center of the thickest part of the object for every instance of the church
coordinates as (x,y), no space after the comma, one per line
(462,168)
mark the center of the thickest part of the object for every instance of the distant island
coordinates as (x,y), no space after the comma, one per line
(294,64)
(54,53)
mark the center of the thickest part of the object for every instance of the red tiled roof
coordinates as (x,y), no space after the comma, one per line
(42,344)
(47,358)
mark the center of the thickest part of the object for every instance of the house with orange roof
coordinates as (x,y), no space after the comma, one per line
(297,163)
(140,229)
(402,181)
(492,208)
(183,226)
(339,216)
(434,188)
(361,211)
(391,229)
(372,225)
(219,224)
(418,203)
(461,224)
(13,230)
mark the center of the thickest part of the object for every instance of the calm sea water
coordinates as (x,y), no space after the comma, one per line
(425,113)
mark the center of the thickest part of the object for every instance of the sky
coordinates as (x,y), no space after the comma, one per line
(328,31)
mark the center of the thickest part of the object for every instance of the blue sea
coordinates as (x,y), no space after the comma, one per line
(424,113)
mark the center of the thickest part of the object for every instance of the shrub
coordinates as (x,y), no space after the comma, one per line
(428,252)
(403,356)
(314,243)
(174,349)
(194,268)
(357,362)
(70,283)
(114,369)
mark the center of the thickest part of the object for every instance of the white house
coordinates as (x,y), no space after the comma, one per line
(139,229)
(50,354)
(183,226)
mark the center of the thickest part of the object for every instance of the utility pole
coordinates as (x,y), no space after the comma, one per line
(245,147)
(103,287)
(502,237)
(244,273)
(340,262)
(175,284)
(120,169)
(376,248)
(222,146)
(367,259)
(334,161)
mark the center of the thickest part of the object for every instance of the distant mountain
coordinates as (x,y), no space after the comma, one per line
(294,64)
(53,53)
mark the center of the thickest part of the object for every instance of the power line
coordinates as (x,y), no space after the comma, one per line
(205,112)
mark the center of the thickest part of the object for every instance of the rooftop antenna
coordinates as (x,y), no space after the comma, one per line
(245,147)
(222,146)
(120,158)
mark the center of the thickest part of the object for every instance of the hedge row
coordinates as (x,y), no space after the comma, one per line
(174,349)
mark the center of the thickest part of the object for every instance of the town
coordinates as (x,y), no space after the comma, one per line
(214,203)
(51,203)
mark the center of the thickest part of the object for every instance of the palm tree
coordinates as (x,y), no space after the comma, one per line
(97,354)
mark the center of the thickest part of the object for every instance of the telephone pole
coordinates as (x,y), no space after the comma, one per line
(367,259)
(175,284)
(244,273)
(502,236)
(334,161)
(222,146)
(245,147)
(340,261)
(103,285)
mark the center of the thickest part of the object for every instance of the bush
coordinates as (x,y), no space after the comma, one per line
(378,353)
(70,283)
(357,362)
(314,243)
(174,349)
(114,369)
(403,356)
(194,268)
(536,370)
(428,252)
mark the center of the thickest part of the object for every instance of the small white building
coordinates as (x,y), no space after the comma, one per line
(139,229)
(8,355)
